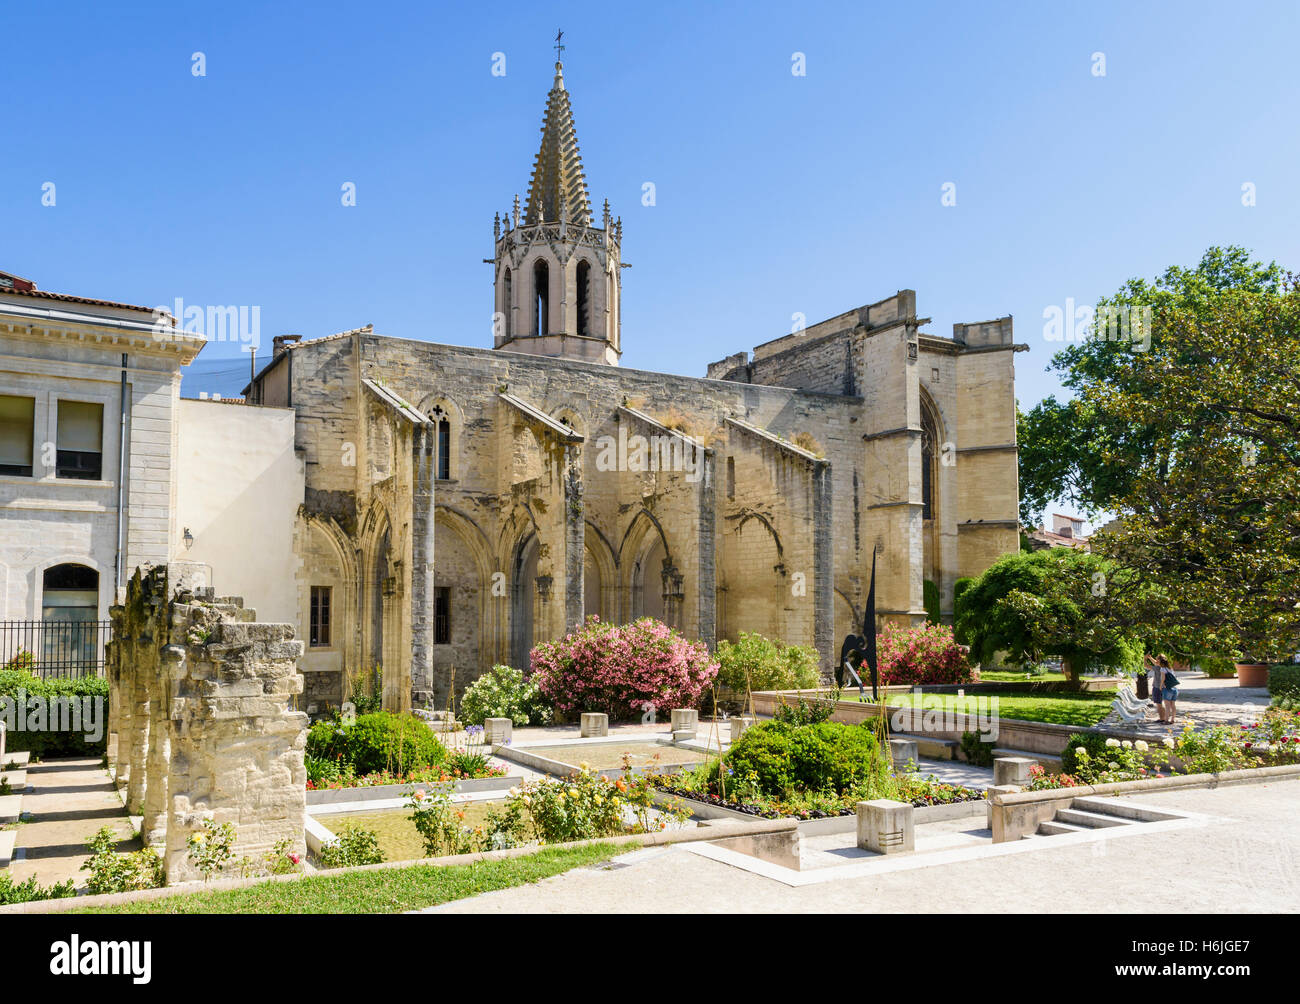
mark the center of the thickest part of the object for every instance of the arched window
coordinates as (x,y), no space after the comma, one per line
(507,306)
(442,442)
(928,436)
(69,643)
(541,297)
(584,297)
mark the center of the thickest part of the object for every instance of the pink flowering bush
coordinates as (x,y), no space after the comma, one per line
(623,670)
(921,656)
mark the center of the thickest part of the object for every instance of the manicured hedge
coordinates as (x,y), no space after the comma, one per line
(381,741)
(787,758)
(50,740)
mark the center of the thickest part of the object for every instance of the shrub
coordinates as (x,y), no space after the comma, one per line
(502,692)
(976,750)
(923,655)
(1284,681)
(806,710)
(1091,742)
(787,758)
(381,741)
(623,670)
(354,846)
(758,663)
(31,890)
(17,683)
(114,872)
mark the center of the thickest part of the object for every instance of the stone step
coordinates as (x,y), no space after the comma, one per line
(1120,807)
(19,760)
(17,779)
(7,840)
(1092,820)
(931,746)
(1049,761)
(1050,827)
(11,807)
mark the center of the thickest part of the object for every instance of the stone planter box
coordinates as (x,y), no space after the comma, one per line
(380,792)
(828,824)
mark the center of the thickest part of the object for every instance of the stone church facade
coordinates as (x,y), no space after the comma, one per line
(463,504)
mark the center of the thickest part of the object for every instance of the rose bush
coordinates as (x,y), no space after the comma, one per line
(920,656)
(623,670)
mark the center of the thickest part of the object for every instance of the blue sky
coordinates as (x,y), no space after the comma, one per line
(775,194)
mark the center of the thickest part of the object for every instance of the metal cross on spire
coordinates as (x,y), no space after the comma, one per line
(559,48)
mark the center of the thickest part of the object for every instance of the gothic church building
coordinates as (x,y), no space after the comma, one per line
(463,504)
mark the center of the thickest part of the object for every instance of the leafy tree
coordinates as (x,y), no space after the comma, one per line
(1209,510)
(1058,602)
(1086,454)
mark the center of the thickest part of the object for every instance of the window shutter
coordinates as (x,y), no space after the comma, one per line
(81,426)
(17,420)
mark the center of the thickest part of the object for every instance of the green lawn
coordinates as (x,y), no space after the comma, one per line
(1060,709)
(389,890)
(1011,676)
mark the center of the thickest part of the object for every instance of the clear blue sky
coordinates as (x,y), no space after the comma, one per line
(776,194)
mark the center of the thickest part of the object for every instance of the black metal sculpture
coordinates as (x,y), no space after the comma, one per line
(860,649)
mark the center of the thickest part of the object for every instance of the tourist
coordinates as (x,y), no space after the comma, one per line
(1157,674)
(1168,691)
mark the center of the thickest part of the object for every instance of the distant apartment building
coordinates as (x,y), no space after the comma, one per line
(1062,531)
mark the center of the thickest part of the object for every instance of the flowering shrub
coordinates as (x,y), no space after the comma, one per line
(502,692)
(1041,780)
(1119,760)
(212,847)
(114,872)
(623,670)
(582,806)
(921,656)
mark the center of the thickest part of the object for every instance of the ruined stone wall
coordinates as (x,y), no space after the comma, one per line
(208,728)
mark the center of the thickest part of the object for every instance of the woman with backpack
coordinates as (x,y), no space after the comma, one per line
(1168,691)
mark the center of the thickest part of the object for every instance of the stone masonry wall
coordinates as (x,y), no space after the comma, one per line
(206,729)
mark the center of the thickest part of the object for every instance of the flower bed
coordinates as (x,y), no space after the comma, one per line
(430,775)
(1272,741)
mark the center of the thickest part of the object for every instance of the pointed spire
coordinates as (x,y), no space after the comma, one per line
(558,181)
(496,227)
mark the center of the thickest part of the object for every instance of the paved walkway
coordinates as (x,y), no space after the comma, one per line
(1203,702)
(1246,858)
(69,801)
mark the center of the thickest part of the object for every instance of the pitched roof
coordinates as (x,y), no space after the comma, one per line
(557,171)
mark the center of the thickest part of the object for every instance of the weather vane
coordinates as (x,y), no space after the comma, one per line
(559,48)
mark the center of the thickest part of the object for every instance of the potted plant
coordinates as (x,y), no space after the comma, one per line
(1252,674)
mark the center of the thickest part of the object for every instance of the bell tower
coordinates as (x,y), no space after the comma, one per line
(558,277)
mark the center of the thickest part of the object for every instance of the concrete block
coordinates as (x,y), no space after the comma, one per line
(739,726)
(1012,770)
(594,723)
(497,731)
(901,751)
(886,826)
(1000,789)
(686,719)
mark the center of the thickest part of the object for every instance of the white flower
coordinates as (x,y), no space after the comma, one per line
(1128,745)
(1141,745)
(514,791)
(1112,743)
(1114,766)
(1169,743)
(1080,749)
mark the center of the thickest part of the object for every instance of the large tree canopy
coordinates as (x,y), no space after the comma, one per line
(1088,456)
(1059,602)
(1193,437)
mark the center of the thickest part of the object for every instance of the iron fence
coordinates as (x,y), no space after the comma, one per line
(55,648)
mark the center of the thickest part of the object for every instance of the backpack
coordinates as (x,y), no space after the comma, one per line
(1169,680)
